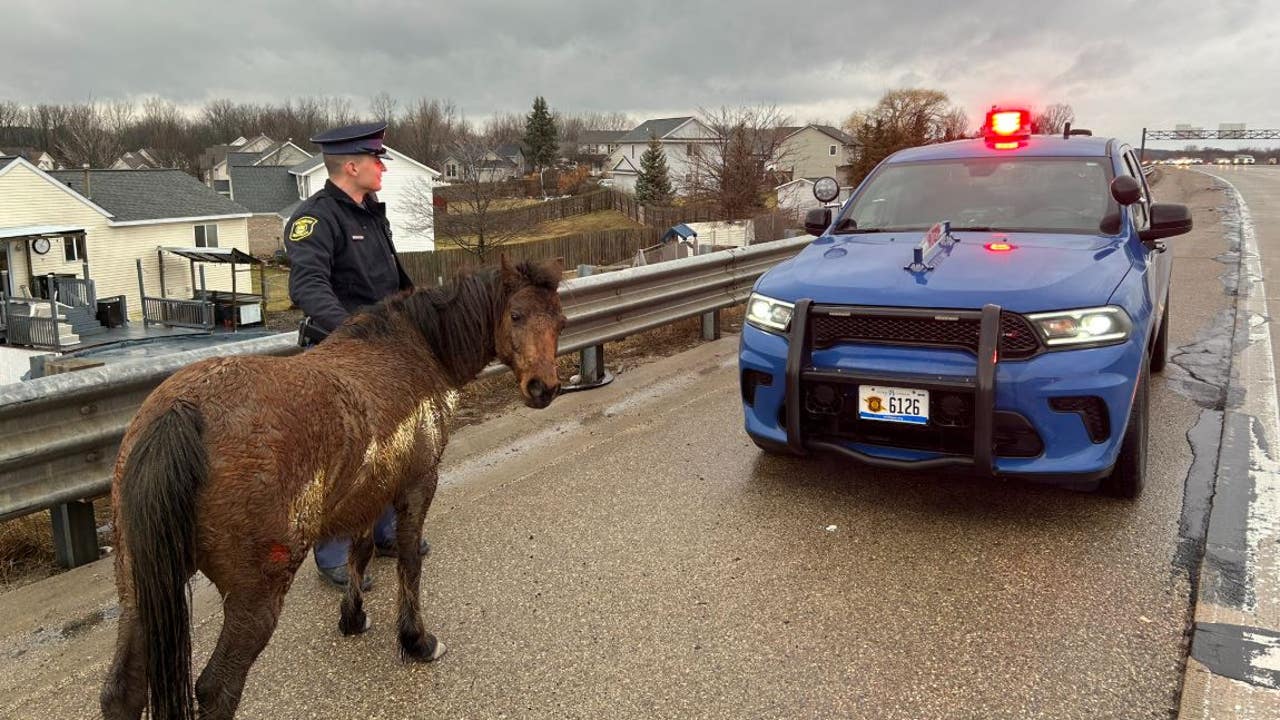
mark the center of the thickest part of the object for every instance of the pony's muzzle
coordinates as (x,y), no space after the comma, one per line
(539,394)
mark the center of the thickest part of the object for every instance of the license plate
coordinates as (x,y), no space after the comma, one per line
(893,404)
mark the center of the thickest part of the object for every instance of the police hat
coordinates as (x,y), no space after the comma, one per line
(359,139)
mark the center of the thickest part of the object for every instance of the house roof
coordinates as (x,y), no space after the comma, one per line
(509,149)
(30,153)
(600,137)
(307,166)
(263,188)
(240,159)
(134,195)
(834,132)
(6,159)
(658,128)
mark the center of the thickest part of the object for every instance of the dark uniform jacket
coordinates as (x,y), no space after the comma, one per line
(341,256)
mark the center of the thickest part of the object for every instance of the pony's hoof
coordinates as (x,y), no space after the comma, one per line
(355,623)
(424,648)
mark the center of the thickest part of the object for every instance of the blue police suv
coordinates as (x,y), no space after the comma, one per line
(994,305)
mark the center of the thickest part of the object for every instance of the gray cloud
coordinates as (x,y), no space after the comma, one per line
(1121,65)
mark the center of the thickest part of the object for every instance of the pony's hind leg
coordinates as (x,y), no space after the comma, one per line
(352,619)
(124,694)
(411,510)
(249,618)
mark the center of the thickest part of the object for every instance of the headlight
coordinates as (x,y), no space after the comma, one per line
(1090,326)
(768,314)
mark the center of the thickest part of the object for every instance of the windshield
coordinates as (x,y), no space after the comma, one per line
(1067,195)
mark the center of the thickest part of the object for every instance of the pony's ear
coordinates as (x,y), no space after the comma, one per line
(554,269)
(511,277)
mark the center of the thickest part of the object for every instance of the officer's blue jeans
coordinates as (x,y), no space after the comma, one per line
(332,553)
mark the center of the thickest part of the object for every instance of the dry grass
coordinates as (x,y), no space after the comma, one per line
(26,546)
(590,222)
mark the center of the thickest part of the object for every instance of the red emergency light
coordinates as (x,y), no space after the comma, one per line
(1004,126)
(999,246)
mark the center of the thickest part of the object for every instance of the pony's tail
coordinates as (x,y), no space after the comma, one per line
(158,489)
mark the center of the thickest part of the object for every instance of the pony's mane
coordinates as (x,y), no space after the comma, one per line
(457,320)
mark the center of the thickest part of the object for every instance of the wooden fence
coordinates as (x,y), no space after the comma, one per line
(604,247)
(531,215)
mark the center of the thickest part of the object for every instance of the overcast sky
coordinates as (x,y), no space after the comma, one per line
(1121,65)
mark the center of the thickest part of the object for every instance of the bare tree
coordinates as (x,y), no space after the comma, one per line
(428,129)
(1053,118)
(473,221)
(901,119)
(384,107)
(12,116)
(737,168)
(504,128)
(91,134)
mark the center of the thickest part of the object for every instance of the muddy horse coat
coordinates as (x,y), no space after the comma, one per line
(235,466)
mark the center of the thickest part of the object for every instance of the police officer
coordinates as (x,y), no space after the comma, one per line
(341,258)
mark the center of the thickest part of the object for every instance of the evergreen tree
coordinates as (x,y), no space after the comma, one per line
(653,187)
(540,136)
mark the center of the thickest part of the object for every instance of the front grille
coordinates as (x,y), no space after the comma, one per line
(1017,338)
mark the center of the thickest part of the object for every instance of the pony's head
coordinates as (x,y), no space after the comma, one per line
(528,328)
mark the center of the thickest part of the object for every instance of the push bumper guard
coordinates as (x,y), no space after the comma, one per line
(984,388)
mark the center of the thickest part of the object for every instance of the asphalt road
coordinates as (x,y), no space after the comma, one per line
(629,553)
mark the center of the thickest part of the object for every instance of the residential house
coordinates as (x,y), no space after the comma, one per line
(284,154)
(513,153)
(266,191)
(684,140)
(215,155)
(594,148)
(815,151)
(35,156)
(141,159)
(493,167)
(103,221)
(406,180)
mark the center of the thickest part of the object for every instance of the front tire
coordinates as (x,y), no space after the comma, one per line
(1129,475)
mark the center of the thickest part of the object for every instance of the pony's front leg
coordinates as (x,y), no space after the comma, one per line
(352,619)
(411,510)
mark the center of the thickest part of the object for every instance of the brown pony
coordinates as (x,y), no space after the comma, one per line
(235,466)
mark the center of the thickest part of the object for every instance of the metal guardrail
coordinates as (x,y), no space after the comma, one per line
(59,435)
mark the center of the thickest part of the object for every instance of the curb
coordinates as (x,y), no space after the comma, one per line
(1234,666)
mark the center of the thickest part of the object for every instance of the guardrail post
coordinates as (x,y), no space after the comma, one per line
(710,320)
(75,533)
(591,370)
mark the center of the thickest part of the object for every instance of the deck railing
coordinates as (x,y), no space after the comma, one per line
(177,313)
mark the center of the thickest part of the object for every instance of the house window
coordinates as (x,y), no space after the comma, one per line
(688,149)
(832,150)
(73,248)
(206,236)
(451,170)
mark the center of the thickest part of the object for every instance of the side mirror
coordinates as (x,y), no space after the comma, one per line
(817,220)
(1126,189)
(1167,220)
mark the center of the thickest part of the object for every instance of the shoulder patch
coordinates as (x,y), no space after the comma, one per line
(302,228)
